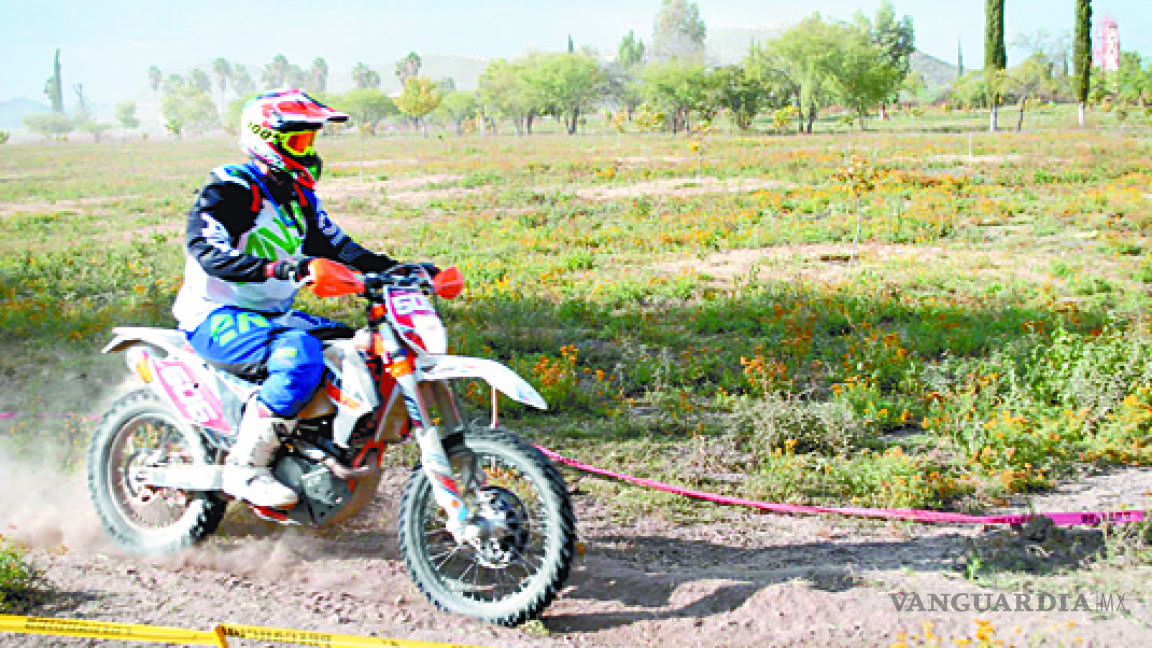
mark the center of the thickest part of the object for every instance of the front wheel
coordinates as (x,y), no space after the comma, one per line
(513,570)
(139,431)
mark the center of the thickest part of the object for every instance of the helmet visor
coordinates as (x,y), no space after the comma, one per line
(299,143)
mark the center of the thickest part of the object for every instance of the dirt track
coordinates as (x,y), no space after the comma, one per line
(742,579)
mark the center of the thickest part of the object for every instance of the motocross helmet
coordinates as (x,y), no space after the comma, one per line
(279,128)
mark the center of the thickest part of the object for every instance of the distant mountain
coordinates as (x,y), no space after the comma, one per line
(728,46)
(464,71)
(13,112)
(937,73)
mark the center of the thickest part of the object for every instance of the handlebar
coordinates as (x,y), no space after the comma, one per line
(330,279)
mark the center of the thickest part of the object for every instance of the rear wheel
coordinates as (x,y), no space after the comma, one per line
(140,430)
(513,570)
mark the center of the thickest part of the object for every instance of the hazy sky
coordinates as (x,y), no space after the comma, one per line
(108,45)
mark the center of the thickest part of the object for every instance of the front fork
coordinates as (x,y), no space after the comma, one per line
(446,487)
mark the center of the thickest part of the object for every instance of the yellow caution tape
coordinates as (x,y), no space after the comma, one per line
(216,637)
(103,630)
(326,639)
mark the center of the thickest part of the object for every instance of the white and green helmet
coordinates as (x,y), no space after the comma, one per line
(279,128)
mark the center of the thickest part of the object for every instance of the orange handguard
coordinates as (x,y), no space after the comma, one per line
(332,279)
(448,283)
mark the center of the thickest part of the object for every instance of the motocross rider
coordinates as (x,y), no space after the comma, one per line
(250,236)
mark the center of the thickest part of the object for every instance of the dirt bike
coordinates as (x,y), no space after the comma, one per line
(486,526)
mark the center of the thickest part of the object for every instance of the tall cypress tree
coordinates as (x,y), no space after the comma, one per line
(1082,54)
(995,54)
(54,87)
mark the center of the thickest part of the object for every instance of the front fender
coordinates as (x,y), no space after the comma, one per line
(432,367)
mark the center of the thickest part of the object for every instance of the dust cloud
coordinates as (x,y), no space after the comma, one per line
(45,506)
(43,491)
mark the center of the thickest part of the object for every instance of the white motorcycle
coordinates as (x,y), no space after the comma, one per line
(486,526)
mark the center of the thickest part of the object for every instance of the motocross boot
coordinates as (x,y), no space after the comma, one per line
(249,477)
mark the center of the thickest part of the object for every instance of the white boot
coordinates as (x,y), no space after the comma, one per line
(248,476)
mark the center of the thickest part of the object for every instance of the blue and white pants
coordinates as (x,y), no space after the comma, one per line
(274,346)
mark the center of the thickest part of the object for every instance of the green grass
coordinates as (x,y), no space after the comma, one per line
(982,335)
(21,583)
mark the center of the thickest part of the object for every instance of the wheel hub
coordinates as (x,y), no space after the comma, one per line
(500,529)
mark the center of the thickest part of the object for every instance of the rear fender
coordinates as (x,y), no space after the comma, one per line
(200,394)
(173,342)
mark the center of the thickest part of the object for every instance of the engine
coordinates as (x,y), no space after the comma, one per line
(322,494)
(317,469)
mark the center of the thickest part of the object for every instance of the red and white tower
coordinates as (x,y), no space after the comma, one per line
(1106,53)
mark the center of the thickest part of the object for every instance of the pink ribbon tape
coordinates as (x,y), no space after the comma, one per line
(914,515)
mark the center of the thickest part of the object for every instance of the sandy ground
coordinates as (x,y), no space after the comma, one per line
(740,579)
(737,579)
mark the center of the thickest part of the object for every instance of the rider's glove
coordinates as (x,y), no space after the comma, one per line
(288,270)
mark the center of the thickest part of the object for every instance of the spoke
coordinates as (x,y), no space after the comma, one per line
(524,561)
(446,554)
(461,578)
(450,555)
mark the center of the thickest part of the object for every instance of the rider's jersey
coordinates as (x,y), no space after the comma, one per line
(240,222)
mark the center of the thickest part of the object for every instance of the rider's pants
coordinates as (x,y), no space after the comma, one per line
(275,345)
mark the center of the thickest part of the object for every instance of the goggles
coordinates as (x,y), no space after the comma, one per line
(299,143)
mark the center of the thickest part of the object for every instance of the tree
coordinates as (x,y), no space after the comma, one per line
(995,54)
(53,124)
(768,71)
(1132,83)
(54,86)
(318,76)
(276,74)
(420,96)
(894,41)
(1082,56)
(126,115)
(1033,76)
(187,108)
(621,80)
(83,113)
(969,91)
(805,54)
(96,129)
(367,106)
(679,32)
(459,107)
(155,77)
(630,53)
(959,59)
(672,89)
(860,73)
(741,93)
(566,84)
(242,83)
(223,71)
(365,77)
(200,80)
(504,91)
(408,67)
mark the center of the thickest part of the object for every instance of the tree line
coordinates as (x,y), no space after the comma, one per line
(861,66)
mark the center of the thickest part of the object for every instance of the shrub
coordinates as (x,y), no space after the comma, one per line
(780,419)
(20,581)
